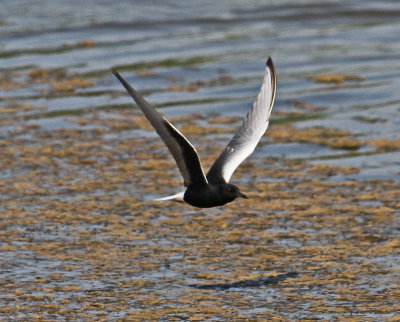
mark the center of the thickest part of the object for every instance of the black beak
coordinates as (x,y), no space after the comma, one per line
(242,195)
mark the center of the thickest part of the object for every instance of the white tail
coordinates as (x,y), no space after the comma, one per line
(176,197)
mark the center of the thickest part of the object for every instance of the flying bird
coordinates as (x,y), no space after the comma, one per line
(213,189)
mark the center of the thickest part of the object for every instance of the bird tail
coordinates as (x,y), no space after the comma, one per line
(176,197)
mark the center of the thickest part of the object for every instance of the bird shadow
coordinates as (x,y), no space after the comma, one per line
(246,283)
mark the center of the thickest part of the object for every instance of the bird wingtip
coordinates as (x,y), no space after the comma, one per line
(269,62)
(115,72)
(119,77)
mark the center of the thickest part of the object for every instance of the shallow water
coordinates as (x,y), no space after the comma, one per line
(206,58)
(206,41)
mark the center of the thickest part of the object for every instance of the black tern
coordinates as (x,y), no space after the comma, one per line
(212,190)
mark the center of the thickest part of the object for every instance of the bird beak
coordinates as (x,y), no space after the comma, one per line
(242,195)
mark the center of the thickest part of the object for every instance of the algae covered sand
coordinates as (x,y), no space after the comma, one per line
(80,238)
(79,241)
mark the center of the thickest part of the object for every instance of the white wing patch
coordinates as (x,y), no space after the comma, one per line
(241,153)
(249,134)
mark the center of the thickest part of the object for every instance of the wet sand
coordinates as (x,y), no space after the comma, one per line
(318,238)
(78,242)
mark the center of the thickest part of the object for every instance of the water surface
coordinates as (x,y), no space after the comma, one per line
(79,240)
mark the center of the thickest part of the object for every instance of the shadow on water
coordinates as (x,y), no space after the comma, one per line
(247,283)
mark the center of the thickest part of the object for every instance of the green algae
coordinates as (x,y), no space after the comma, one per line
(78,196)
(81,239)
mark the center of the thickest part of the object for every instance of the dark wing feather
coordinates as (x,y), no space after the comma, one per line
(253,128)
(184,153)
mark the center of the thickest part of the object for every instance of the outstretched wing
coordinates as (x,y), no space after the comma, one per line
(253,128)
(182,150)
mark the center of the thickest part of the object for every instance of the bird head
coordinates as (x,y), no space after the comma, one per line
(231,192)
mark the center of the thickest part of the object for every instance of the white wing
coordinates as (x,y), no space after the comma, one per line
(247,137)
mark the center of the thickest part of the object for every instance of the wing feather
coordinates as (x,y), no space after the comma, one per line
(249,134)
(182,150)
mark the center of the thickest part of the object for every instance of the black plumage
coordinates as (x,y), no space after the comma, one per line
(212,190)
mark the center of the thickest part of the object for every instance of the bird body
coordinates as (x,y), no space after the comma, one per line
(209,195)
(213,189)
